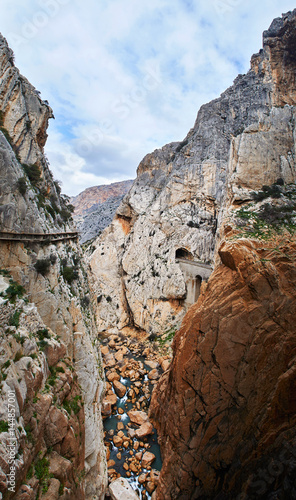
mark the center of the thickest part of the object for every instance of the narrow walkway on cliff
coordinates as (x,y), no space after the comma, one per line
(43,237)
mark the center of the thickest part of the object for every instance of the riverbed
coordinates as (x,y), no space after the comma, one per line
(132,369)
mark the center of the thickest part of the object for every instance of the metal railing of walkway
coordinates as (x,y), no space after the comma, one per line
(38,237)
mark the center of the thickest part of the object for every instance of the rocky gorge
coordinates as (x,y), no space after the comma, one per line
(177,325)
(205,239)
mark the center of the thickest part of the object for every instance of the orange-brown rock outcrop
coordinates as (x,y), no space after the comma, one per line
(228,429)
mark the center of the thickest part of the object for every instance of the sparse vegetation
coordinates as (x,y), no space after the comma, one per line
(73,405)
(22,185)
(42,335)
(3,426)
(42,266)
(14,291)
(69,274)
(168,336)
(30,472)
(14,320)
(33,173)
(261,221)
(29,434)
(42,473)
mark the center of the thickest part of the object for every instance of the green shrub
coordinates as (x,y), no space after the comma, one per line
(30,472)
(6,364)
(4,272)
(273,191)
(43,334)
(14,290)
(4,426)
(42,473)
(42,266)
(19,338)
(61,489)
(14,320)
(22,185)
(51,211)
(73,405)
(69,274)
(42,344)
(33,172)
(29,434)
(58,187)
(65,214)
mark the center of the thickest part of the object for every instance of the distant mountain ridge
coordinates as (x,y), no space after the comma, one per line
(95,207)
(96,195)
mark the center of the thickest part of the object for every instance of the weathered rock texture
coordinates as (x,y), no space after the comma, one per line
(59,411)
(23,122)
(185,191)
(228,429)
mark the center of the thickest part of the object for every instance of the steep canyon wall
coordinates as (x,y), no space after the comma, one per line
(48,354)
(185,191)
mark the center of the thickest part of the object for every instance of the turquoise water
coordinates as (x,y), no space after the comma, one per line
(110,424)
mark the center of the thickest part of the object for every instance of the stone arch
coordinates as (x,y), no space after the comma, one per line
(183,253)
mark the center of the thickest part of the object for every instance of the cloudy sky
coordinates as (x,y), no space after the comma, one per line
(125,77)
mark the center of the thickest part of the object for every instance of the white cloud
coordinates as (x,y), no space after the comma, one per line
(125,77)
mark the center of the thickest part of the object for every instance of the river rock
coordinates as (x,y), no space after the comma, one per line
(121,490)
(150,487)
(119,356)
(147,459)
(164,363)
(119,388)
(138,417)
(117,441)
(153,375)
(104,350)
(131,433)
(142,478)
(111,399)
(151,364)
(111,376)
(107,408)
(144,430)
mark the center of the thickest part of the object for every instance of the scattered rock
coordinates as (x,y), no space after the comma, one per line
(111,376)
(121,490)
(119,388)
(144,430)
(147,459)
(153,375)
(138,417)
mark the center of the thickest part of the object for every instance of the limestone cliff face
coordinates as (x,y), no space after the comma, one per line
(184,192)
(24,114)
(228,430)
(49,356)
(23,124)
